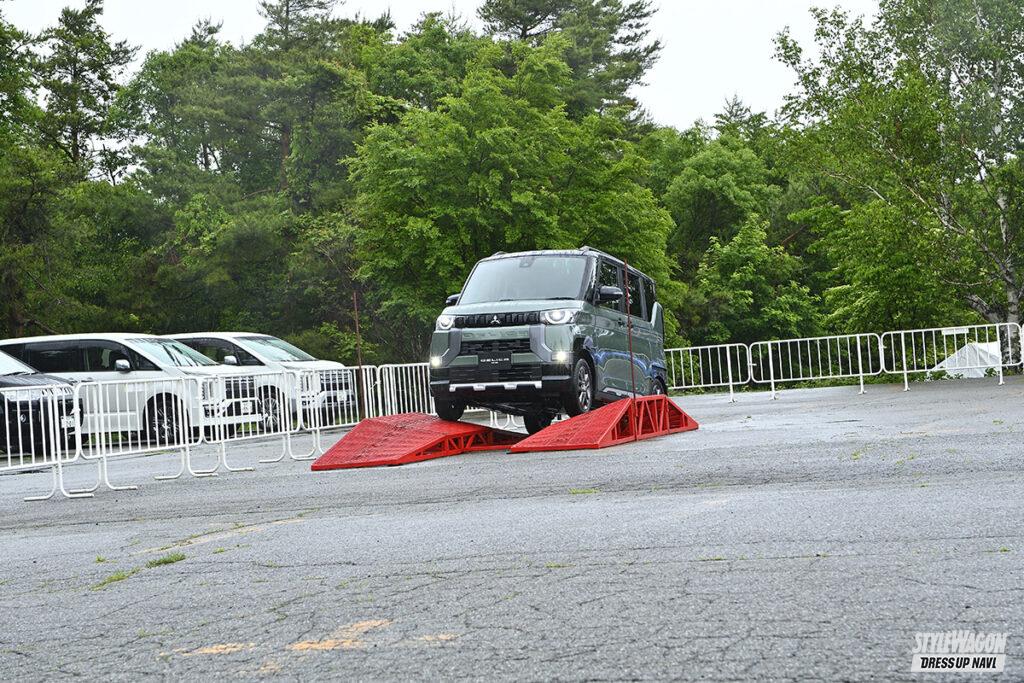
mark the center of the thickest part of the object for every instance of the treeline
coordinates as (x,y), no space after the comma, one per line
(331,161)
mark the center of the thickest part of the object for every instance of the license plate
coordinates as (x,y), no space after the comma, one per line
(247,407)
(67,422)
(494,361)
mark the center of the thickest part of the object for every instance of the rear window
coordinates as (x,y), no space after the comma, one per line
(59,357)
(649,298)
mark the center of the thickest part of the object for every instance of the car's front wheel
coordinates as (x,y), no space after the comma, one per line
(580,397)
(449,410)
(534,422)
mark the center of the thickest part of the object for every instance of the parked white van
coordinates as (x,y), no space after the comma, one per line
(189,393)
(327,385)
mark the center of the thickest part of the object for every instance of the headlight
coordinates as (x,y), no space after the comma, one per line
(557,316)
(445,322)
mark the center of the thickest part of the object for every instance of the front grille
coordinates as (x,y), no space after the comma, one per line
(516,373)
(240,387)
(497,319)
(473,348)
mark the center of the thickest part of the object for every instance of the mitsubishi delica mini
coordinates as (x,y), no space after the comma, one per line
(541,332)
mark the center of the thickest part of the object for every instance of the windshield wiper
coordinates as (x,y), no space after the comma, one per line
(560,298)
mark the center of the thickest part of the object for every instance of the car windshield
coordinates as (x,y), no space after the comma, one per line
(12,366)
(274,349)
(171,352)
(520,278)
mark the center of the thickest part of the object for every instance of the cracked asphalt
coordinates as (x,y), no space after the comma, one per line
(804,538)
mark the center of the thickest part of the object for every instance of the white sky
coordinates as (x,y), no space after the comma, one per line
(713,49)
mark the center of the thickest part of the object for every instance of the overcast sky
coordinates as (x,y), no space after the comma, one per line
(713,49)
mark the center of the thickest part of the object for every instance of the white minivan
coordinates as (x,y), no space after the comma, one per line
(327,386)
(194,390)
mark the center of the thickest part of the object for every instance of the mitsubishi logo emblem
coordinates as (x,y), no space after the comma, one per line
(495,320)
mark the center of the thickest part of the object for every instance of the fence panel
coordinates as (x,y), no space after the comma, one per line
(965,351)
(405,388)
(815,359)
(704,367)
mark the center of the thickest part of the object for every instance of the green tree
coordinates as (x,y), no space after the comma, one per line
(607,44)
(79,73)
(716,191)
(749,291)
(500,167)
(923,112)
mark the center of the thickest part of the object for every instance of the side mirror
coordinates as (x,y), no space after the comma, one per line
(608,293)
(122,365)
(452,299)
(230,360)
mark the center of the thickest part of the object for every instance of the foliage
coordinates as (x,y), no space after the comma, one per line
(273,185)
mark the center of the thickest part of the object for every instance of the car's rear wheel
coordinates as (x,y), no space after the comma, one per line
(580,397)
(534,422)
(657,387)
(449,410)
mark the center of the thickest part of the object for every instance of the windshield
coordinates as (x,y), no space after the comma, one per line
(12,366)
(274,349)
(519,278)
(171,352)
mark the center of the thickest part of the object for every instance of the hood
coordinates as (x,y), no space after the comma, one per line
(217,370)
(312,365)
(526,306)
(35,380)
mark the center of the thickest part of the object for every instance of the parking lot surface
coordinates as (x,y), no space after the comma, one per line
(808,537)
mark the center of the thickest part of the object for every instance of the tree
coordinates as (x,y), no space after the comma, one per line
(748,291)
(923,112)
(606,48)
(718,189)
(79,75)
(500,167)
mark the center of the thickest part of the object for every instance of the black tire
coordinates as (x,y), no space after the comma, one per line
(271,409)
(162,416)
(658,387)
(580,397)
(449,410)
(534,422)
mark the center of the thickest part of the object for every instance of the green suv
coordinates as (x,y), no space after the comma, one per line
(536,333)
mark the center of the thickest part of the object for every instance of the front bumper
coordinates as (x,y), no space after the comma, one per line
(471,382)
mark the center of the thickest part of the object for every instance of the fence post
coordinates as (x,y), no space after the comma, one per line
(860,366)
(999,345)
(728,362)
(903,351)
(771,370)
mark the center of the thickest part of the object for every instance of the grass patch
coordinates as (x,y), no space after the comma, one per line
(556,565)
(583,492)
(856,455)
(114,578)
(166,559)
(100,559)
(711,559)
(218,551)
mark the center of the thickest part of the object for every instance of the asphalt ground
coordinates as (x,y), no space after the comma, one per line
(805,538)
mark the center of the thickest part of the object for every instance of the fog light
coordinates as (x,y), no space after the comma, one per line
(435,361)
(560,356)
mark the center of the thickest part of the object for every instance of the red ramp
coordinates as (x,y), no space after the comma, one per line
(615,423)
(409,437)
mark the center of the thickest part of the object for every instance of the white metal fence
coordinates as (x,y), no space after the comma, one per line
(51,426)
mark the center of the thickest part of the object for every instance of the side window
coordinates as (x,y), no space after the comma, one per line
(648,299)
(610,276)
(55,357)
(100,356)
(243,356)
(636,303)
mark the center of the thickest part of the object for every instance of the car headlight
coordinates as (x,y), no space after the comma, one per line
(557,316)
(445,322)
